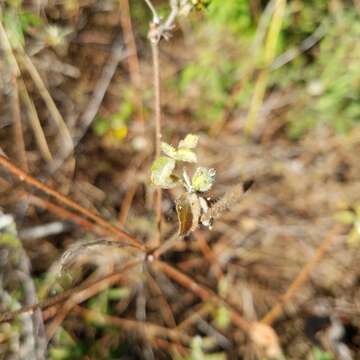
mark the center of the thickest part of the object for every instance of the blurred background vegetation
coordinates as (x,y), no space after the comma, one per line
(273,87)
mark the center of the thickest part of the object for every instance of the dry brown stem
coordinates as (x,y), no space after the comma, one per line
(23,176)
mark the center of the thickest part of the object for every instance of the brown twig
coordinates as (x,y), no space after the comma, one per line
(208,254)
(149,329)
(163,304)
(201,311)
(70,303)
(102,283)
(202,292)
(155,57)
(303,276)
(23,176)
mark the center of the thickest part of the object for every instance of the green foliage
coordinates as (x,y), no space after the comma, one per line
(66,348)
(203,179)
(236,14)
(197,352)
(17,21)
(162,169)
(114,128)
(325,80)
(351,217)
(222,317)
(183,151)
(328,90)
(319,354)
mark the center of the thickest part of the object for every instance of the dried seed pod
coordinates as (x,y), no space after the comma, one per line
(226,202)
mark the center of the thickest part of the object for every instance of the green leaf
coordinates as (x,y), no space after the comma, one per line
(190,141)
(14,30)
(203,179)
(161,171)
(185,154)
(168,150)
(319,354)
(345,217)
(222,317)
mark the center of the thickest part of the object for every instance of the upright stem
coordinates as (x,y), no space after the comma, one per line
(155,58)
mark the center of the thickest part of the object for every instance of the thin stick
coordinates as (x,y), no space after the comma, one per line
(155,58)
(23,176)
(14,97)
(126,203)
(302,277)
(202,292)
(57,210)
(162,303)
(35,123)
(104,282)
(67,144)
(148,328)
(18,129)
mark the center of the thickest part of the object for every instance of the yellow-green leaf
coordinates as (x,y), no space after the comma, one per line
(161,171)
(203,179)
(168,150)
(189,142)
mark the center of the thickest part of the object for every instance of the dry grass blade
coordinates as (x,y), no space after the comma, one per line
(269,54)
(18,129)
(66,139)
(14,98)
(35,124)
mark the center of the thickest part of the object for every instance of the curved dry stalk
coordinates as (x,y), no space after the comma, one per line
(23,176)
(26,62)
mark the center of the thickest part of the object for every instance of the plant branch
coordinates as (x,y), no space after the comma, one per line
(23,176)
(101,284)
(155,57)
(202,292)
